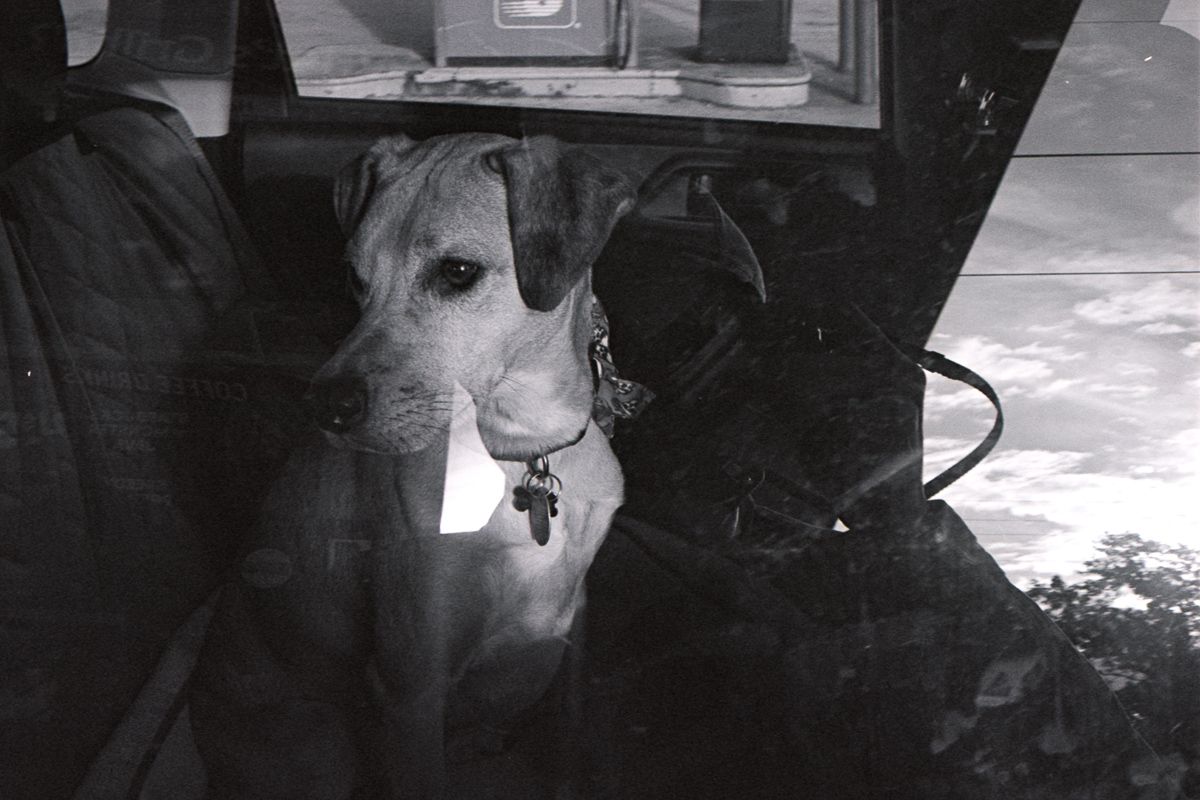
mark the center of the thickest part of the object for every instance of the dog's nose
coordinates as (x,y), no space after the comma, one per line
(338,405)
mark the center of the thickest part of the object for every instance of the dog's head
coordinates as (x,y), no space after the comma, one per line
(470,259)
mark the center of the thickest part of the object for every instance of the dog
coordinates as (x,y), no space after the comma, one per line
(359,638)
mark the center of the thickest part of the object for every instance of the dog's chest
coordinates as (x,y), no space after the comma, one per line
(537,588)
(495,590)
(531,588)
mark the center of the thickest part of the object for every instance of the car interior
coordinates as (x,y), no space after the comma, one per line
(781,609)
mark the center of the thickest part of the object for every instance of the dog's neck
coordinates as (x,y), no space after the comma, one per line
(608,397)
(474,484)
(477,477)
(541,400)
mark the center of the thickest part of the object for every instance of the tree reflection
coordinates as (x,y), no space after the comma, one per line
(1135,614)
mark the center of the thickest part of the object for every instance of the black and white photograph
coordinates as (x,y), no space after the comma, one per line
(600,400)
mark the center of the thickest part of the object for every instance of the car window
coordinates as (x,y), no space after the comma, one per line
(1080,301)
(773,60)
(251,373)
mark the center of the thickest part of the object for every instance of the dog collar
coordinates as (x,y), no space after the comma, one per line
(614,397)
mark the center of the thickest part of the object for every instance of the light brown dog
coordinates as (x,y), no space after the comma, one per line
(359,637)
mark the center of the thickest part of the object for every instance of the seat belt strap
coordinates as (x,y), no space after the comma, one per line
(940,365)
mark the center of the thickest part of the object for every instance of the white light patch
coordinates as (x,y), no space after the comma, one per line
(474,482)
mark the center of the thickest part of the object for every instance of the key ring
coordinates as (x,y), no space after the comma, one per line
(538,476)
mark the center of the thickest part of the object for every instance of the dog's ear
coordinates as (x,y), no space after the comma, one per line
(357,180)
(562,205)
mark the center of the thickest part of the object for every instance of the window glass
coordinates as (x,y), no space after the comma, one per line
(776,611)
(1099,377)
(85,28)
(1080,301)
(774,60)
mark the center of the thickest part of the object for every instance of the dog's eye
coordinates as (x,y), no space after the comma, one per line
(459,274)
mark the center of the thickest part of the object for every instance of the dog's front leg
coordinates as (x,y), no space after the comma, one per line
(414,737)
(413,665)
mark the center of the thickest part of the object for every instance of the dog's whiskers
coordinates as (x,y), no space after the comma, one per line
(509,379)
(521,387)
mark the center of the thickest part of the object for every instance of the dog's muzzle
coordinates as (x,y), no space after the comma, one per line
(338,405)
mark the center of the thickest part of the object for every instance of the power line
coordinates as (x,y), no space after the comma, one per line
(1061,274)
(1100,155)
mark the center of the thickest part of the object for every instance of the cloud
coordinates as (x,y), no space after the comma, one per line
(1150,303)
(1060,328)
(1131,391)
(1073,215)
(1057,386)
(1081,501)
(1187,441)
(1186,213)
(1161,329)
(1001,363)
(1141,255)
(1012,468)
(1102,413)
(943,451)
(1128,369)
(941,400)
(1062,553)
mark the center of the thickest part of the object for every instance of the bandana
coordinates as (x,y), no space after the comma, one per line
(615,396)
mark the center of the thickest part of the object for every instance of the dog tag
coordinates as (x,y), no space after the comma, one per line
(538,498)
(540,509)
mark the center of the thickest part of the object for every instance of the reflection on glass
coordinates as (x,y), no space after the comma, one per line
(782,60)
(85,29)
